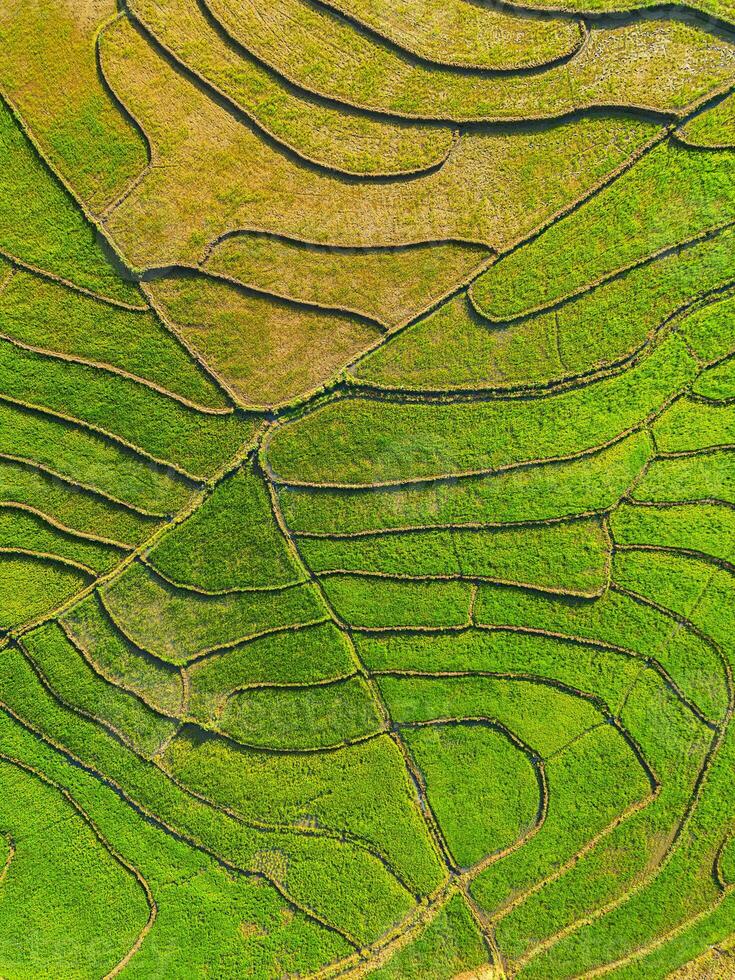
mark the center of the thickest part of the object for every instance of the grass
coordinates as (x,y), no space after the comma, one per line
(592,781)
(143,418)
(55,85)
(628,221)
(40,224)
(83,457)
(178,625)
(542,717)
(267,351)
(305,656)
(328,55)
(454,348)
(556,557)
(391,285)
(620,621)
(31,587)
(309,859)
(675,744)
(231,541)
(62,503)
(76,683)
(113,657)
(682,478)
(317,717)
(593,669)
(21,529)
(690,425)
(707,329)
(482,790)
(233,921)
(381,603)
(332,136)
(57,927)
(715,127)
(704,528)
(718,382)
(369,795)
(358,441)
(38,312)
(717,8)
(551,490)
(450,945)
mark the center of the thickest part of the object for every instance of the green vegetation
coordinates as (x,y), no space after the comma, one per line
(64,504)
(217,176)
(41,226)
(569,558)
(390,284)
(83,457)
(591,782)
(696,477)
(618,620)
(698,197)
(87,888)
(319,717)
(551,490)
(68,675)
(709,329)
(542,717)
(358,441)
(178,625)
(22,530)
(691,425)
(367,489)
(714,127)
(705,528)
(482,789)
(718,382)
(230,542)
(299,656)
(455,348)
(449,944)
(112,656)
(380,603)
(594,669)
(625,852)
(138,416)
(44,315)
(32,586)
(291,788)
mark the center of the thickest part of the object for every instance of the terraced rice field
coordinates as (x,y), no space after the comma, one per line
(367,489)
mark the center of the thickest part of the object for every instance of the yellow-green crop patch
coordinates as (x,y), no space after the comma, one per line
(359,441)
(56,86)
(330,56)
(332,137)
(390,284)
(265,350)
(463,36)
(367,489)
(453,348)
(41,226)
